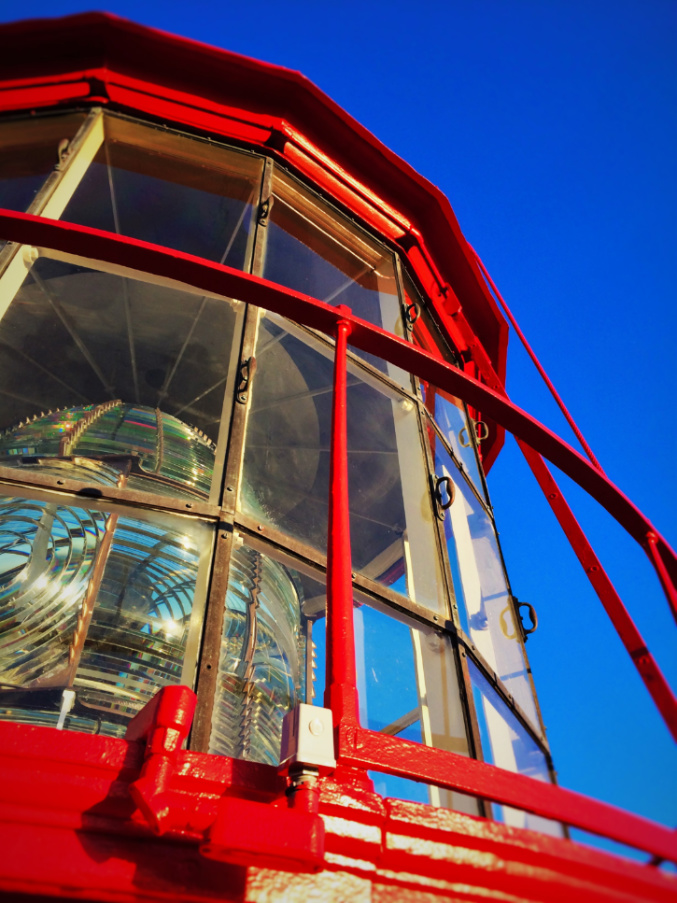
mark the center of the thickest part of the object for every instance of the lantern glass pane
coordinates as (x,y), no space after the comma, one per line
(263,665)
(96,367)
(482,593)
(286,464)
(507,744)
(407,687)
(99,611)
(29,152)
(313,248)
(171,190)
(447,411)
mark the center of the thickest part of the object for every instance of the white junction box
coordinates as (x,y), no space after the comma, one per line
(308,737)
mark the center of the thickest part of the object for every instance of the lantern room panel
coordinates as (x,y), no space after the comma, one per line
(148,391)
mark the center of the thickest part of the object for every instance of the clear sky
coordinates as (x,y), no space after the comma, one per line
(552,127)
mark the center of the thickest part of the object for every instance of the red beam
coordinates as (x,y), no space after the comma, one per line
(379,752)
(630,636)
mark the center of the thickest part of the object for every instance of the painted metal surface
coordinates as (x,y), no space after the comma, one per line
(341,681)
(80,816)
(91,842)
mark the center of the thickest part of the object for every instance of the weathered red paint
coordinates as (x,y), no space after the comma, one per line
(164,723)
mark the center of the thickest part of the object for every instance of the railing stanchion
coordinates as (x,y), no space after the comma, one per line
(341,682)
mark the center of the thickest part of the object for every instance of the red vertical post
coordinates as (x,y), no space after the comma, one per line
(341,683)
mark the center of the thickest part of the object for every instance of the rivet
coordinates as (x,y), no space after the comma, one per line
(260,528)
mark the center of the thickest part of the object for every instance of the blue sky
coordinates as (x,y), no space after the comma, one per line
(552,127)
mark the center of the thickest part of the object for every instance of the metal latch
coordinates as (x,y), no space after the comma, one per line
(440,487)
(247,371)
(480,429)
(264,210)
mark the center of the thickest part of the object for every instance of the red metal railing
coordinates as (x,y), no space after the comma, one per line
(356,746)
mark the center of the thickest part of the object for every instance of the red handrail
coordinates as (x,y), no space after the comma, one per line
(357,746)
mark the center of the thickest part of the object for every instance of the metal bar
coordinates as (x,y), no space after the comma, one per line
(653,549)
(85,616)
(222,280)
(366,749)
(125,285)
(468,648)
(341,681)
(630,636)
(210,653)
(532,354)
(93,495)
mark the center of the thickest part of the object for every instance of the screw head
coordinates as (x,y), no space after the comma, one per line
(316,727)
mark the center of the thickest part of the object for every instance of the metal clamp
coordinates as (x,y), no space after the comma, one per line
(265,210)
(533,617)
(440,504)
(247,371)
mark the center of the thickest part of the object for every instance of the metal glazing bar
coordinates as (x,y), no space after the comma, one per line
(125,285)
(366,749)
(341,681)
(208,666)
(630,636)
(221,280)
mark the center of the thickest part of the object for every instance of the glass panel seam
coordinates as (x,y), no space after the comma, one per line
(492,678)
(272,539)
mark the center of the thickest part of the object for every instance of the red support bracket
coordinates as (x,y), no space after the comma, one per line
(164,723)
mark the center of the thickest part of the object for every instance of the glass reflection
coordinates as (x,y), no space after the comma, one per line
(407,687)
(171,190)
(507,744)
(286,464)
(313,248)
(482,593)
(29,152)
(447,411)
(127,367)
(97,612)
(262,667)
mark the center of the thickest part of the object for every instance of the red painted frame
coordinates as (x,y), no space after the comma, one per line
(358,747)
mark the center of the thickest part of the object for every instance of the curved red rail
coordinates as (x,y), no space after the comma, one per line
(95,244)
(357,746)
